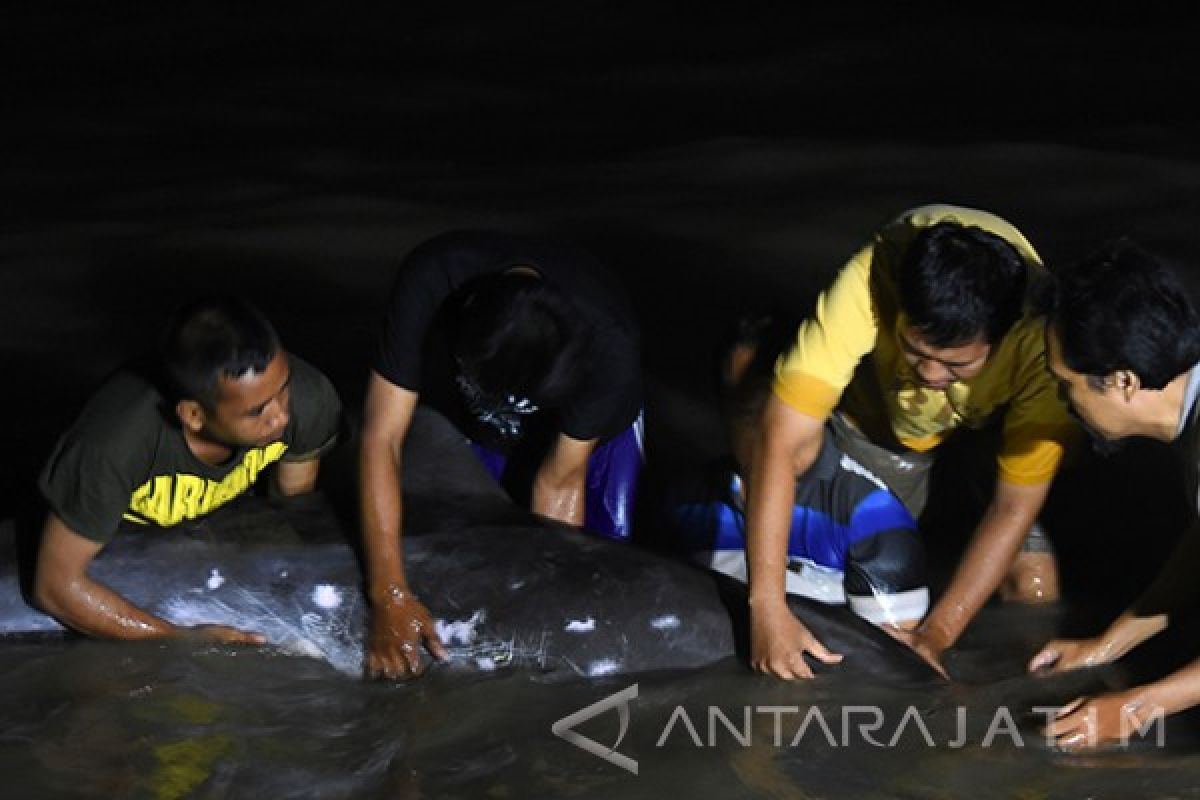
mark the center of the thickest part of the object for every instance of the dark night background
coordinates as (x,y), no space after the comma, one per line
(718,158)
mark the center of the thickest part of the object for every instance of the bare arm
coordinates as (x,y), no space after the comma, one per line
(786,446)
(1108,718)
(558,487)
(63,589)
(994,545)
(399,622)
(1172,591)
(293,478)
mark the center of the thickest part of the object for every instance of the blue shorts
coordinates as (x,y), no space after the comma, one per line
(610,487)
(851,541)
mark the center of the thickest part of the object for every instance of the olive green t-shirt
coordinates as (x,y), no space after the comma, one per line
(126,457)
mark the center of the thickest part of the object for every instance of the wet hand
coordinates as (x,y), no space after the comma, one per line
(1061,655)
(399,626)
(1088,723)
(923,644)
(779,642)
(222,634)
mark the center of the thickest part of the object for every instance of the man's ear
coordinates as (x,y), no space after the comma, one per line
(1126,382)
(191,415)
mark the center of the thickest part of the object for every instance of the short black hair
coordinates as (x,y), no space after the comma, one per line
(211,338)
(1122,308)
(516,334)
(958,283)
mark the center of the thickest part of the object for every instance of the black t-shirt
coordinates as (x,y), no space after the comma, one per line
(414,345)
(126,457)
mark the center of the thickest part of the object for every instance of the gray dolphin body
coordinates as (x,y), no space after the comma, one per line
(507,588)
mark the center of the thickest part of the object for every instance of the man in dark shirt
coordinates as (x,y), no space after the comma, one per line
(229,404)
(1123,342)
(502,334)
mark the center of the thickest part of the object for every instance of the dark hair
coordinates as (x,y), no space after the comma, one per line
(517,335)
(1122,308)
(211,338)
(958,283)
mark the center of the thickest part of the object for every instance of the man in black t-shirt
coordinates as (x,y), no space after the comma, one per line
(227,403)
(502,334)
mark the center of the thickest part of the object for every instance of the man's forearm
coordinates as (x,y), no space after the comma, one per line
(1177,692)
(293,478)
(559,498)
(787,445)
(92,608)
(1129,630)
(558,487)
(381,509)
(993,547)
(771,491)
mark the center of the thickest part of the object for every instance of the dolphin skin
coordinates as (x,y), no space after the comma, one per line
(507,588)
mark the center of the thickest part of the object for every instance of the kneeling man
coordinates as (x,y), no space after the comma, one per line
(229,402)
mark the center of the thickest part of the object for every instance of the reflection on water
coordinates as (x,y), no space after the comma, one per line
(92,719)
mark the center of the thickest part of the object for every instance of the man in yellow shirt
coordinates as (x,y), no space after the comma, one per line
(924,331)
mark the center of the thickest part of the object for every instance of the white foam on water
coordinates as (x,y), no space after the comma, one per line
(326,596)
(666,622)
(580,625)
(215,580)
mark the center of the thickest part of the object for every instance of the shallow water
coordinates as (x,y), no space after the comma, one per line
(716,162)
(102,720)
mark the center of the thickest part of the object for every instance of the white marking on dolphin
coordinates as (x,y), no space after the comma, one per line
(605,666)
(580,625)
(459,631)
(326,596)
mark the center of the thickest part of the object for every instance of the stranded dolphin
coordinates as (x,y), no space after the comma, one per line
(507,588)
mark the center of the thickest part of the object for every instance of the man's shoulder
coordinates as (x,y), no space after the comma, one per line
(308,384)
(127,408)
(110,449)
(316,410)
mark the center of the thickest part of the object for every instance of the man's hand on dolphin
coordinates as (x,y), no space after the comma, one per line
(1062,655)
(923,643)
(779,642)
(1125,633)
(222,634)
(399,626)
(1090,722)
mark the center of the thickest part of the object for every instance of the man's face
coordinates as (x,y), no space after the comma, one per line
(252,410)
(938,367)
(1104,410)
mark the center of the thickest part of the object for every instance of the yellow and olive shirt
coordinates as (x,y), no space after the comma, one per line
(847,357)
(126,457)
